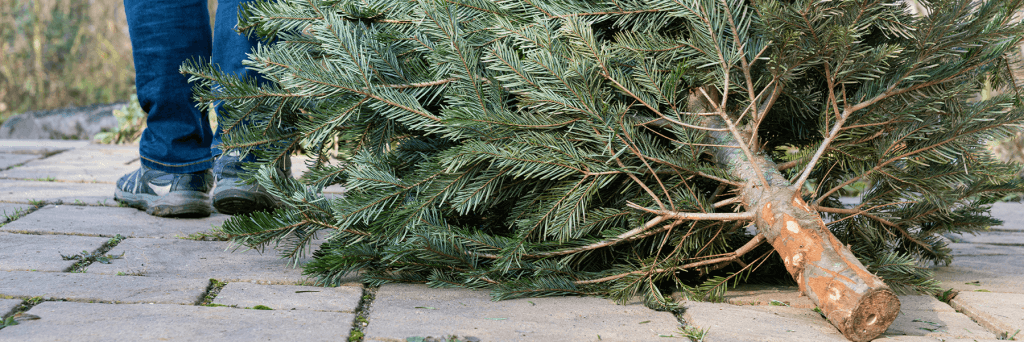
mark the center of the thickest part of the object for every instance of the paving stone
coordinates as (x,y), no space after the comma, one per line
(993,237)
(767,295)
(996,273)
(108,221)
(937,324)
(403,310)
(979,249)
(999,312)
(39,146)
(93,163)
(1009,212)
(10,159)
(7,307)
(104,288)
(923,303)
(343,298)
(8,210)
(22,252)
(69,321)
(23,191)
(727,322)
(173,258)
(931,339)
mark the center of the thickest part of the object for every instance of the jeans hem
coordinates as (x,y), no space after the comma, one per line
(192,167)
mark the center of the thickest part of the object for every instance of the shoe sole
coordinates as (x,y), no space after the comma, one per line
(173,204)
(237,201)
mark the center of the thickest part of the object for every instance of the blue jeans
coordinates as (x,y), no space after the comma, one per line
(165,34)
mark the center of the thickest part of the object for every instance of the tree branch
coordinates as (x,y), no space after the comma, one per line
(668,214)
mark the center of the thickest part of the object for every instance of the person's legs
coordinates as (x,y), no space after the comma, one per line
(175,148)
(229,50)
(165,34)
(231,195)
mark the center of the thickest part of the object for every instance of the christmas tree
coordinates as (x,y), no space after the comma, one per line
(620,147)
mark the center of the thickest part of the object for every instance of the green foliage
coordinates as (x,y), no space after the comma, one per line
(9,321)
(87,257)
(695,334)
(131,121)
(528,147)
(211,293)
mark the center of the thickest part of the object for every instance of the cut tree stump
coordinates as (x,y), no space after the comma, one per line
(857,302)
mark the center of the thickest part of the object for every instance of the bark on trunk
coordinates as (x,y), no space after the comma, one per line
(857,302)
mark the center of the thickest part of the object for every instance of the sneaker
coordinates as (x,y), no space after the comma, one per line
(166,194)
(231,195)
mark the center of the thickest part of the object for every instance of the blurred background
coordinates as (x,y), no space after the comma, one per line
(64,53)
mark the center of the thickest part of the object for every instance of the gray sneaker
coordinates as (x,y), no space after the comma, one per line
(231,195)
(166,194)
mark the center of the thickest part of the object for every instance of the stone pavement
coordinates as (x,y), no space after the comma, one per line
(169,279)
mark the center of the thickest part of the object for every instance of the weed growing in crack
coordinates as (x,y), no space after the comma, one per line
(362,312)
(132,273)
(85,258)
(211,292)
(212,235)
(18,213)
(695,334)
(946,296)
(19,315)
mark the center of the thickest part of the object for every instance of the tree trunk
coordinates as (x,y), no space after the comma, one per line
(854,300)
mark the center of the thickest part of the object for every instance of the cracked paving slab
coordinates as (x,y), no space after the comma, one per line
(405,310)
(24,252)
(173,258)
(69,321)
(109,221)
(102,288)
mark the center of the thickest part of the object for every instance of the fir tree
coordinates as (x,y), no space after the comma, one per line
(619,147)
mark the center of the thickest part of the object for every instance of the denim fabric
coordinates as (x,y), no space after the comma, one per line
(165,34)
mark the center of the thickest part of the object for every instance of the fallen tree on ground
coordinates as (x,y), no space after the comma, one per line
(618,148)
